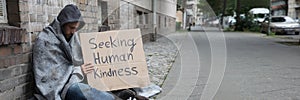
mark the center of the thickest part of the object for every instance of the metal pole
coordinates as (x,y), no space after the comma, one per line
(154,32)
(184,19)
(184,13)
(154,13)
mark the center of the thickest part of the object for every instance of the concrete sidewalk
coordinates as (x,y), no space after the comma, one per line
(185,80)
(182,77)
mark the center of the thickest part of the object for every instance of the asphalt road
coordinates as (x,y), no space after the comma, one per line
(233,66)
(259,68)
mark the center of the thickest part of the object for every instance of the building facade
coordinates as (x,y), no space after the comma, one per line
(187,13)
(279,7)
(191,12)
(294,8)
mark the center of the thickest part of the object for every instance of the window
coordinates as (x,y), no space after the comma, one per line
(140,17)
(159,21)
(3,14)
(104,14)
(278,3)
(165,21)
(146,18)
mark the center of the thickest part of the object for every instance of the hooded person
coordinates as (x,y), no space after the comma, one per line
(57,61)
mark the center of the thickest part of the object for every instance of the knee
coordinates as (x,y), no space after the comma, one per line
(74,92)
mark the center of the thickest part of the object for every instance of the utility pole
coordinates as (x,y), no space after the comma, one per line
(183,4)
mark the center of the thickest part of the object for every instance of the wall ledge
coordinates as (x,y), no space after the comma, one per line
(11,35)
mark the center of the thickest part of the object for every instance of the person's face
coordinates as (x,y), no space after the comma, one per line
(70,28)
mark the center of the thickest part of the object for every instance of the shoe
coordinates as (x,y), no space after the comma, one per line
(125,94)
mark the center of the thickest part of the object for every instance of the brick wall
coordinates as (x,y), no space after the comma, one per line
(113,9)
(16,77)
(37,14)
(128,18)
(26,18)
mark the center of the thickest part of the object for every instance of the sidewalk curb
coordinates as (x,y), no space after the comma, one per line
(177,52)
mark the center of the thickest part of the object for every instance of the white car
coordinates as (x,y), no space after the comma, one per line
(281,25)
(259,14)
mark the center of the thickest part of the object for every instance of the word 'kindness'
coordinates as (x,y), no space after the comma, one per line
(126,71)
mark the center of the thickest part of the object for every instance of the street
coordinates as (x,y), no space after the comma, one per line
(258,68)
(232,66)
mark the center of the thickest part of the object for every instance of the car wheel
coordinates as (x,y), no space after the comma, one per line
(296,33)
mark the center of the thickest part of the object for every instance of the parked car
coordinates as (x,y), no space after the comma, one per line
(231,20)
(281,25)
(259,14)
(215,22)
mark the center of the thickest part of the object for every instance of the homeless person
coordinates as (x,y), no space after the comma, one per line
(57,61)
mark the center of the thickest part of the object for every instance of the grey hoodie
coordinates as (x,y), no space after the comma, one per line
(56,62)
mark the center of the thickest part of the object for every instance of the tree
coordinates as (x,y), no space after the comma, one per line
(206,8)
(216,6)
(181,5)
(231,5)
(238,25)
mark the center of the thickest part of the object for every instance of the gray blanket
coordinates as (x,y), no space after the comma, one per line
(56,62)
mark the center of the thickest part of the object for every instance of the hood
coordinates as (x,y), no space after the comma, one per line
(259,11)
(70,13)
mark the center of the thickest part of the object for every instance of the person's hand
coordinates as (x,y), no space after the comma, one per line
(87,68)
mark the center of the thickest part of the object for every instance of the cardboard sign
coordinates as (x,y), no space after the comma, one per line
(118,57)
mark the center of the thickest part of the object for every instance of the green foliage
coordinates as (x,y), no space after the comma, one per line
(216,5)
(272,34)
(255,28)
(180,4)
(246,5)
(206,8)
(178,25)
(249,24)
(246,24)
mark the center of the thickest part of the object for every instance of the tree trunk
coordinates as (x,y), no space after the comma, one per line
(223,13)
(238,25)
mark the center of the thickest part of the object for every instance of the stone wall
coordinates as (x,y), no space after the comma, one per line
(37,14)
(129,15)
(113,10)
(136,17)
(128,19)
(165,24)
